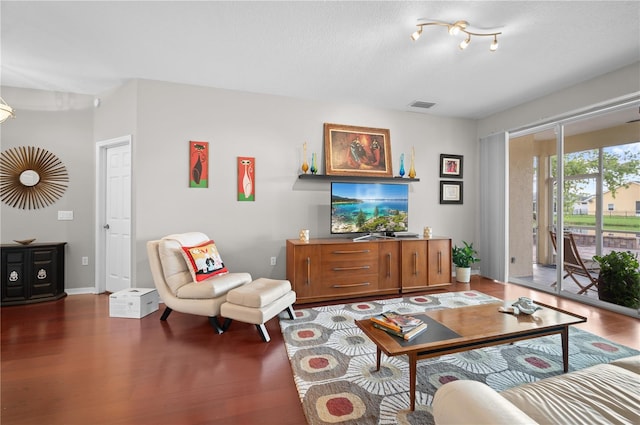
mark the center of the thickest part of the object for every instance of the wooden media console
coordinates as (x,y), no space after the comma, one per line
(327,269)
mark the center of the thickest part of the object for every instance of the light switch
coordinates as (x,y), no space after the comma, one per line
(65,215)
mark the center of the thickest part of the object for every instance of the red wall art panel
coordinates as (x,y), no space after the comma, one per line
(198,164)
(246,178)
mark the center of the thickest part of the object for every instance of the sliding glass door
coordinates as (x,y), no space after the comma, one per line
(597,207)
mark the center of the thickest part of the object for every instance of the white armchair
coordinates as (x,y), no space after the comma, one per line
(175,284)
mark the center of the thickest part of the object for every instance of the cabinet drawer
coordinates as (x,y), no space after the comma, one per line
(351,252)
(344,269)
(350,284)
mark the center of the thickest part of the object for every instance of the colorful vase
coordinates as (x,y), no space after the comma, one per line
(401,165)
(412,169)
(314,169)
(305,165)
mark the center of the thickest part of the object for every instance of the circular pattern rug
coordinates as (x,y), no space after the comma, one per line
(334,363)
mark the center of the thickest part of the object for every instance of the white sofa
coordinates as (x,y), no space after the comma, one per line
(601,394)
(175,284)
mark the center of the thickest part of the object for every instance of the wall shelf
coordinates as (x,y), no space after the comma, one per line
(324,177)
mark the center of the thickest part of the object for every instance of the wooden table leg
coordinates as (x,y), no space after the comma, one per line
(413,360)
(565,348)
(378,354)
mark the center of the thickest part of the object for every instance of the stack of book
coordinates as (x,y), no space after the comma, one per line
(404,326)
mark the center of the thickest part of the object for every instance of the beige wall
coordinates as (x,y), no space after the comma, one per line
(581,96)
(163,117)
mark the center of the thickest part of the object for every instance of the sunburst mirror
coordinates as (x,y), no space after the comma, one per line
(31,178)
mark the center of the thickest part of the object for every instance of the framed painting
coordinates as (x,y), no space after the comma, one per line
(450,192)
(246,178)
(357,151)
(198,164)
(451,166)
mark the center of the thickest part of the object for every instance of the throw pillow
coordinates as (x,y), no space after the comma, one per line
(204,261)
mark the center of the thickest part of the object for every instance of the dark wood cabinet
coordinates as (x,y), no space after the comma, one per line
(32,273)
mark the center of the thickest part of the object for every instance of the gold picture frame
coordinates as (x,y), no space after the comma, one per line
(357,151)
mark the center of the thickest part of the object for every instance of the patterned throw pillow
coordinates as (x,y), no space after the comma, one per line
(204,261)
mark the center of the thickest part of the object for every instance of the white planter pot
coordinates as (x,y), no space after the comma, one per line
(463,274)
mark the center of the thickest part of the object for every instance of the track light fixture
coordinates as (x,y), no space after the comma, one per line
(455,28)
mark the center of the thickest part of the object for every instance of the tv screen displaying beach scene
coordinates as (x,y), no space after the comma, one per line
(369,207)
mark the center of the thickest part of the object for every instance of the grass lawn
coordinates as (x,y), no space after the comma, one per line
(612,223)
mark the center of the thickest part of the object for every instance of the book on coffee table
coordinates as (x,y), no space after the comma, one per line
(407,336)
(395,323)
(404,321)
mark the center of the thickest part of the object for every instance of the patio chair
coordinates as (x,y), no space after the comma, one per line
(574,266)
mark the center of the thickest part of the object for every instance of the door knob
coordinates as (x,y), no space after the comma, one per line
(106,226)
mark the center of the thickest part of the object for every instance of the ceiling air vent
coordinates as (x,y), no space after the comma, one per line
(421,104)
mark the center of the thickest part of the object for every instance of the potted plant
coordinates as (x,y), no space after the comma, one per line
(463,257)
(619,278)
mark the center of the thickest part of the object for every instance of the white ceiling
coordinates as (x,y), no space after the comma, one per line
(348,52)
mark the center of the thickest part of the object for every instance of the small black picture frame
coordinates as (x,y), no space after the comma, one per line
(451,166)
(450,192)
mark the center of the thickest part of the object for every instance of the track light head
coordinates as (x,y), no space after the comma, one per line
(464,43)
(494,44)
(6,111)
(416,35)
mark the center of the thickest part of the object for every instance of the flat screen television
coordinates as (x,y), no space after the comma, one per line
(369,208)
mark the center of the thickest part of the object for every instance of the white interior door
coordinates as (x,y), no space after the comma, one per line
(117,214)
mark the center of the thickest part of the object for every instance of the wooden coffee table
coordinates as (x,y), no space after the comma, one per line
(467,328)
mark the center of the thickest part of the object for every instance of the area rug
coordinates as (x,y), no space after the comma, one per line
(333,362)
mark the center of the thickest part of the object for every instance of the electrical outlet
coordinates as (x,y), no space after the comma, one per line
(85,261)
(273,261)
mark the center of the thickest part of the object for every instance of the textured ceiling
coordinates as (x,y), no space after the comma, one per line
(348,52)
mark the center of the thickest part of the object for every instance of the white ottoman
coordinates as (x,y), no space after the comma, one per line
(257,302)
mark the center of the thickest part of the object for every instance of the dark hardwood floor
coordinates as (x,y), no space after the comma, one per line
(67,362)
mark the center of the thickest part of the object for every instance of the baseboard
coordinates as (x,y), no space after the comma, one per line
(473,272)
(80,291)
(88,290)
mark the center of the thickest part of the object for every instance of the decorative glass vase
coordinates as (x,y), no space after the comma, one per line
(401,165)
(412,170)
(305,164)
(314,169)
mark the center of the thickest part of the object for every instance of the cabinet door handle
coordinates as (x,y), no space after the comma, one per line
(308,282)
(388,264)
(359,251)
(341,269)
(350,285)
(415,263)
(439,262)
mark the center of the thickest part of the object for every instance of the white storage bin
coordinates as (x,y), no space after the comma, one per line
(133,303)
